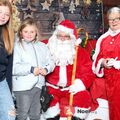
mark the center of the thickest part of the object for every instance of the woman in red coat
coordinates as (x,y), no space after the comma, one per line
(107,62)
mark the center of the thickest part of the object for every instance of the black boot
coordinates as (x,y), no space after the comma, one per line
(55,118)
(76,118)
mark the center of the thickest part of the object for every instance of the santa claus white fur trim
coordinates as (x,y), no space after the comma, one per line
(63,118)
(78,41)
(65,29)
(77,86)
(52,111)
(62,76)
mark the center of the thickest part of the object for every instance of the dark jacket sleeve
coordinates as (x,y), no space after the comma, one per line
(9,71)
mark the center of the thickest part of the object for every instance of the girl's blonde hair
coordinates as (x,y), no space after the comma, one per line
(8,33)
(25,22)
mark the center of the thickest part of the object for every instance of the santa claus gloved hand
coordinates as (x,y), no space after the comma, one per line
(77,86)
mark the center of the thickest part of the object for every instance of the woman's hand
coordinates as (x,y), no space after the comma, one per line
(106,63)
(111,62)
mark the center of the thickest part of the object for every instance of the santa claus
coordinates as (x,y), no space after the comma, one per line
(62,47)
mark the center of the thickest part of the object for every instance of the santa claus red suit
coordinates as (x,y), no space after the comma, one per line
(62,47)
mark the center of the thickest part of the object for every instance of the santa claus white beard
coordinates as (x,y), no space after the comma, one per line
(63,53)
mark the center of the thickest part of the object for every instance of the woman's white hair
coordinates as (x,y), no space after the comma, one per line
(113,10)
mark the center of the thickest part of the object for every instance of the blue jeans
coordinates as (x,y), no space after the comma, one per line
(7,109)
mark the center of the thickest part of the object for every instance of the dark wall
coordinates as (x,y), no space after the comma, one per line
(88,17)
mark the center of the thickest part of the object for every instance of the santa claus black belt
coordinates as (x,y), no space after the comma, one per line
(57,87)
(63,87)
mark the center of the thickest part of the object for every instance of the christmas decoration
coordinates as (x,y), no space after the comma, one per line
(50,1)
(65,1)
(84,13)
(28,11)
(72,7)
(77,2)
(71,3)
(99,1)
(46,5)
(87,2)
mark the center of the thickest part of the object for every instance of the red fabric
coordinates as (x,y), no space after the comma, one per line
(45,41)
(80,99)
(83,72)
(110,48)
(90,45)
(97,90)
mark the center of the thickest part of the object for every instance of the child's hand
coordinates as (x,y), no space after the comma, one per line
(42,71)
(36,71)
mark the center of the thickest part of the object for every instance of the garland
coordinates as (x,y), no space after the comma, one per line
(46,5)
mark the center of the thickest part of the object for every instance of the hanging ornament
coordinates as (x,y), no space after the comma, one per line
(87,2)
(77,2)
(45,5)
(28,11)
(72,7)
(50,1)
(99,1)
(64,2)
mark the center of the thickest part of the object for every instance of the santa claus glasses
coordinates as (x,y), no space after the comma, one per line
(65,37)
(115,19)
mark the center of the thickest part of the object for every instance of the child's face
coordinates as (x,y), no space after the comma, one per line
(4,14)
(29,33)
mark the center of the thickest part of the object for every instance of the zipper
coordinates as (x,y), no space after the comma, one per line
(35,57)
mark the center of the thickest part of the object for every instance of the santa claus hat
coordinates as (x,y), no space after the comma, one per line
(68,27)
